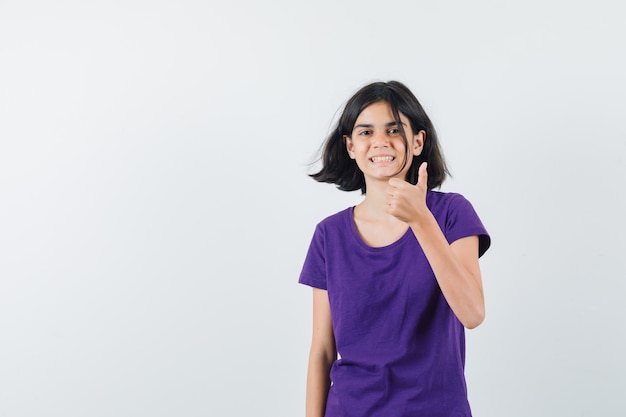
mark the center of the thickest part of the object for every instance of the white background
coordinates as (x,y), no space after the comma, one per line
(155,208)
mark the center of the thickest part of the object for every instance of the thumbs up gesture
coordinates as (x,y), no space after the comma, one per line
(405,201)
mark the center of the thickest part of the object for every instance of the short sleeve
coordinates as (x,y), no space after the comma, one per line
(313,271)
(463,221)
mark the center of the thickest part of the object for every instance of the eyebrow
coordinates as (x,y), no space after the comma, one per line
(368,126)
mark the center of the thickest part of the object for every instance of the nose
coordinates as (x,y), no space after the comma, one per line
(380,139)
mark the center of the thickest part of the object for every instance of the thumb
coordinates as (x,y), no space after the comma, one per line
(422,175)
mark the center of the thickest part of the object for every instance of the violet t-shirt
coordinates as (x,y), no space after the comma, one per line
(401,348)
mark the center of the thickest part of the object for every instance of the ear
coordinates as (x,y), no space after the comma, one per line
(349,145)
(418,142)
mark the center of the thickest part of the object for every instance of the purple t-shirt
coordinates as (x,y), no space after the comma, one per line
(401,348)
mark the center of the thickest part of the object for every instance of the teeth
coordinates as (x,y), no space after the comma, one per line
(382,159)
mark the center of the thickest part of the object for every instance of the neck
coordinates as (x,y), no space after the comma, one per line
(373,205)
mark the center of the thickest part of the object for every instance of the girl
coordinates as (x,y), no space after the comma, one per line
(396,278)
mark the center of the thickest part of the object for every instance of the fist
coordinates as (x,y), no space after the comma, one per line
(405,201)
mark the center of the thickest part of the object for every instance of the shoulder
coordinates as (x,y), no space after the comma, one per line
(457,218)
(334,229)
(336,220)
(445,201)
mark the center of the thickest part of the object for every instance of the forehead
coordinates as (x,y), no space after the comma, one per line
(378,112)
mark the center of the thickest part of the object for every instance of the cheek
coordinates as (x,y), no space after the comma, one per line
(356,147)
(401,145)
(351,149)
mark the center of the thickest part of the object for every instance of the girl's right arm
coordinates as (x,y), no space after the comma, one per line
(321,356)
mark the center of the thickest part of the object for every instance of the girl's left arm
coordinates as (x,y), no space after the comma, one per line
(455,265)
(456,269)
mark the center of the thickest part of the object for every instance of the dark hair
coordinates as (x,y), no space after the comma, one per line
(337,166)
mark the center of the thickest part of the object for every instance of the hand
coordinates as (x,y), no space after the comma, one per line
(405,201)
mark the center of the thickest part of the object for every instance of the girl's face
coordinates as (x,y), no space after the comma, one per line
(377,146)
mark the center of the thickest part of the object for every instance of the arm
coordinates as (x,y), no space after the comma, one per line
(321,356)
(456,269)
(455,265)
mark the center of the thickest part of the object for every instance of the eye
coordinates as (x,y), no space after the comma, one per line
(365,132)
(394,131)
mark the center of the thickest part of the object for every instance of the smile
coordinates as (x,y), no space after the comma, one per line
(382,158)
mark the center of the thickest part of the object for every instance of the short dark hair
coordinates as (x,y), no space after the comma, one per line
(337,166)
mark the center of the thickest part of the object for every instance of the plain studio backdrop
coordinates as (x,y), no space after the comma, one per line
(155,208)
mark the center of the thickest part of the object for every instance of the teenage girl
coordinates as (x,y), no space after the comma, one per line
(396,278)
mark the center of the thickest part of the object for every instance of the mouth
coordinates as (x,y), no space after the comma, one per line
(386,158)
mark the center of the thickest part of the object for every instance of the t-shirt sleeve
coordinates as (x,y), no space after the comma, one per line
(313,271)
(462,221)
